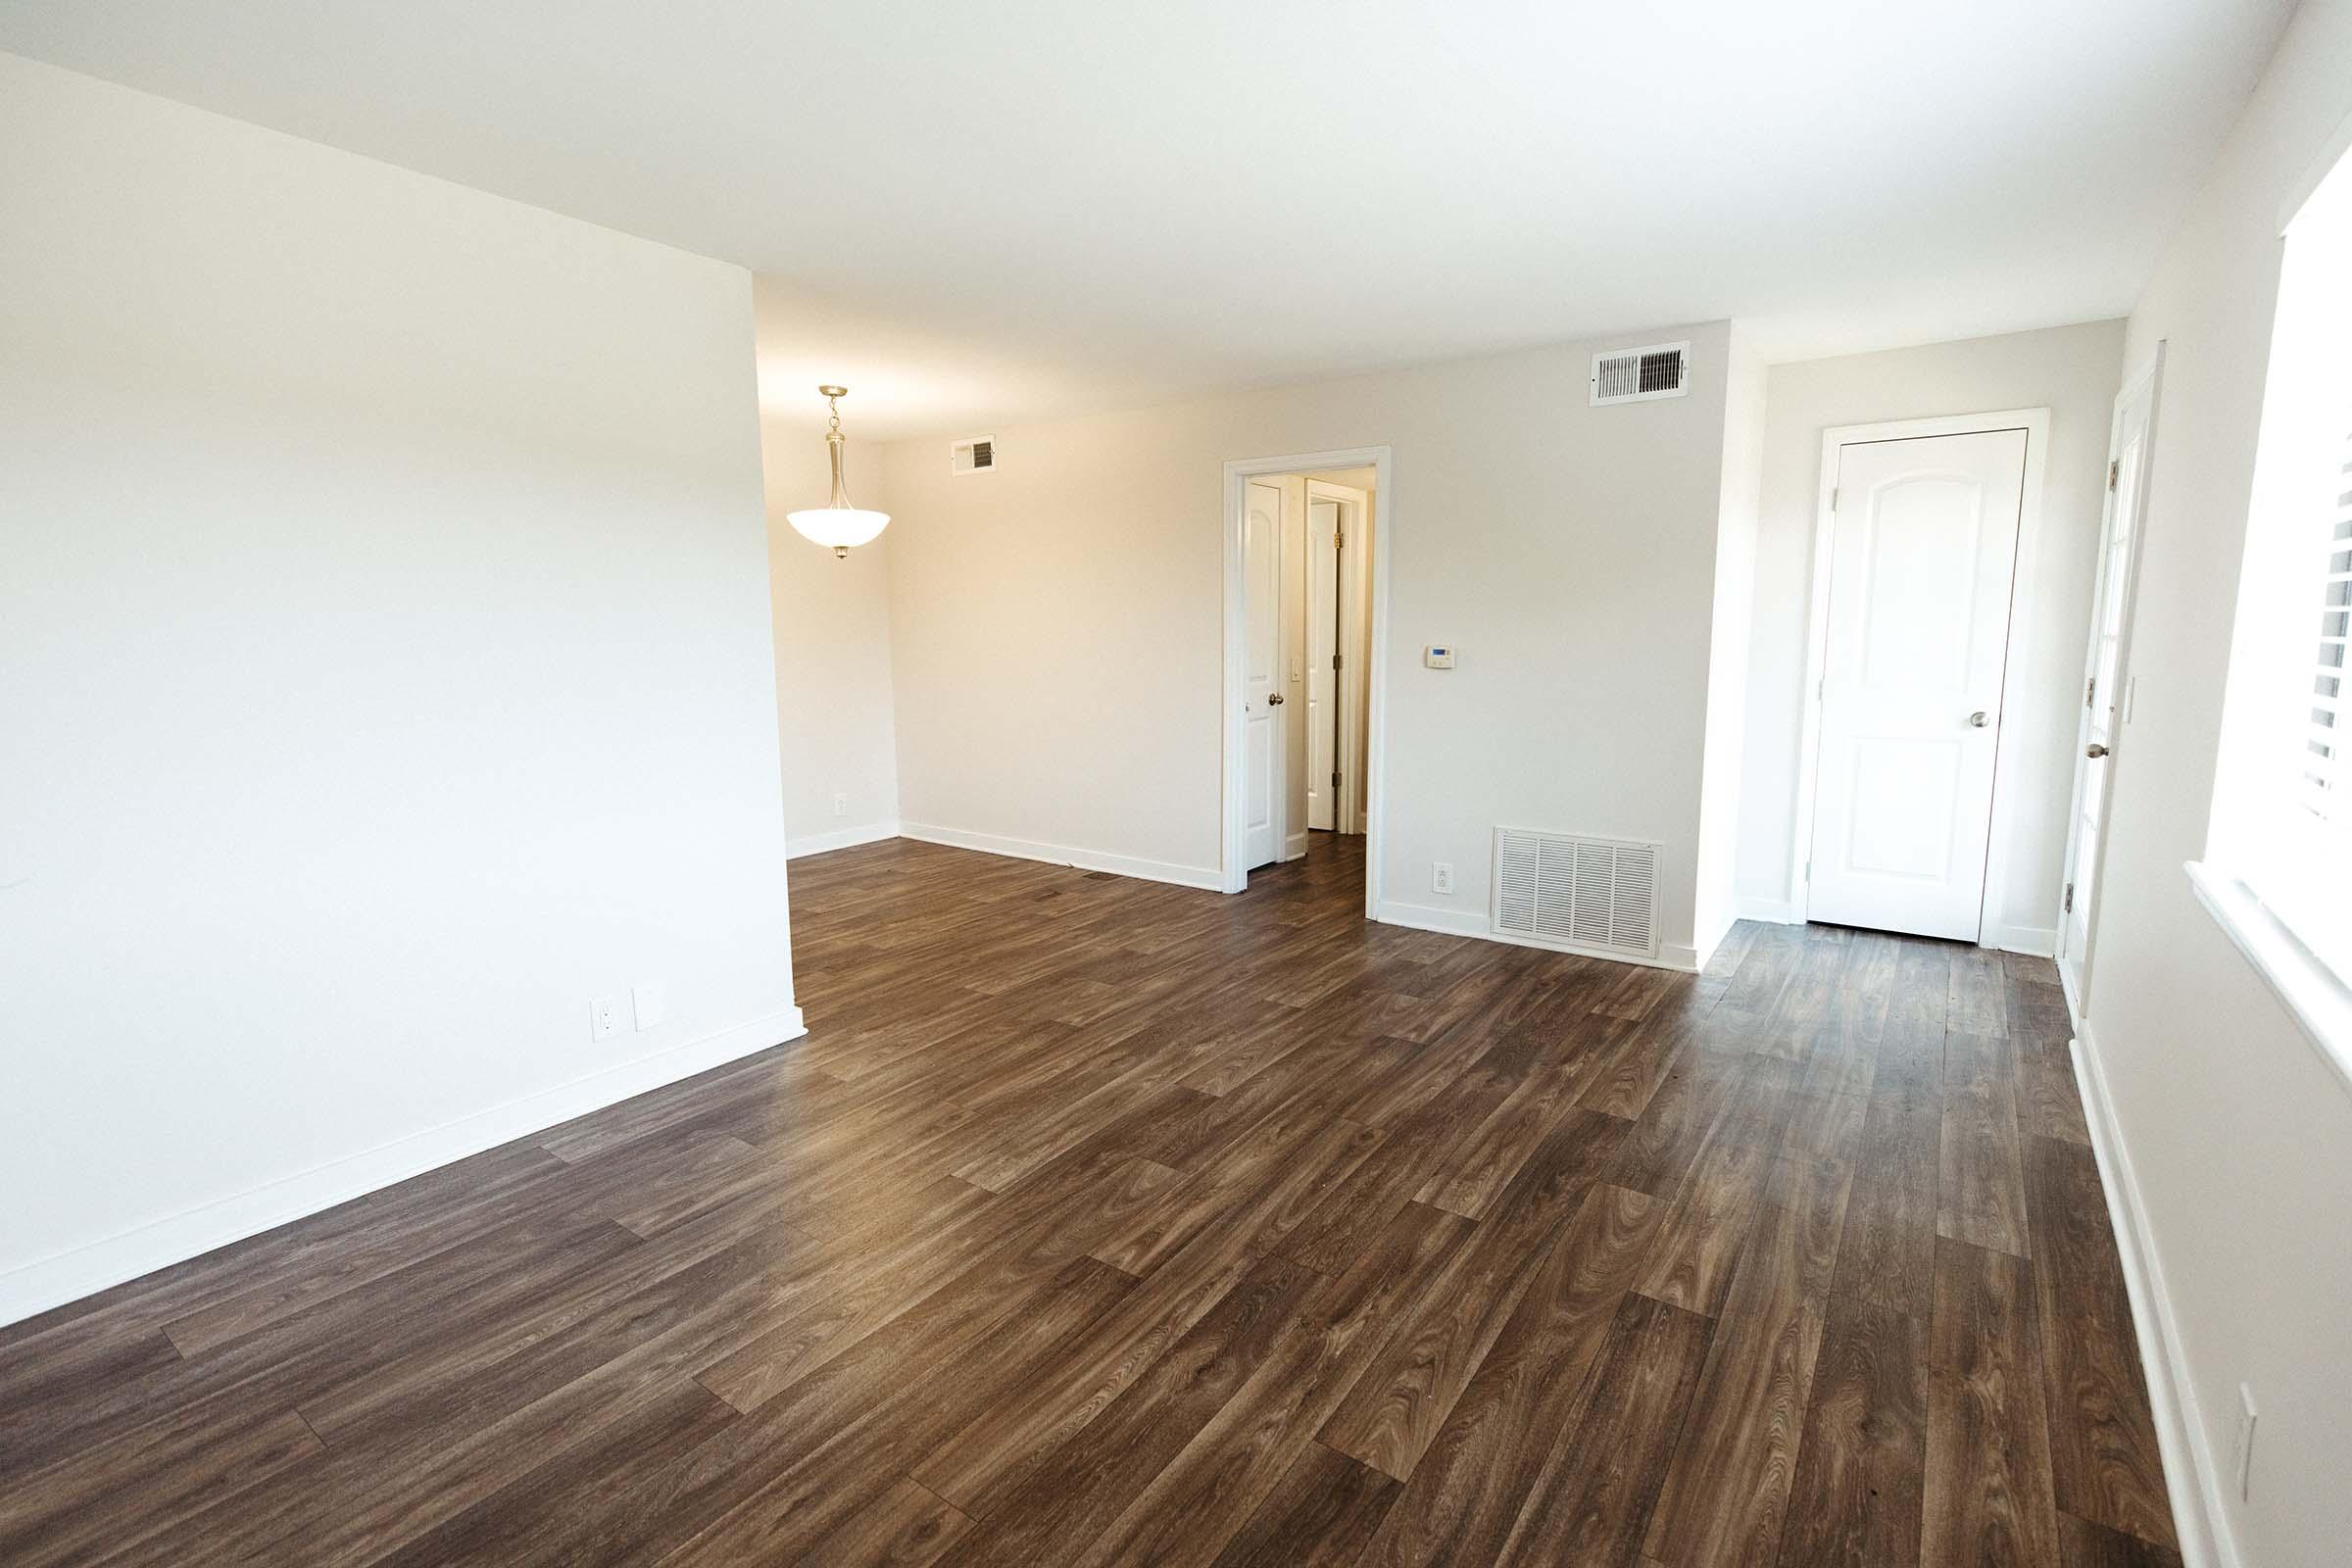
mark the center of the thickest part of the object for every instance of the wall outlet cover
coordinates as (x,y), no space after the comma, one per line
(1441,878)
(604,1017)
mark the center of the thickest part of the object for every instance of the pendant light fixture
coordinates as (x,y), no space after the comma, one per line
(837,522)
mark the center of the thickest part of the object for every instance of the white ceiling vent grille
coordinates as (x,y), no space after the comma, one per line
(1637,375)
(977,456)
(1591,895)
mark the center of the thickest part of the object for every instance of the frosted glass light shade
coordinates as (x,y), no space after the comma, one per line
(837,527)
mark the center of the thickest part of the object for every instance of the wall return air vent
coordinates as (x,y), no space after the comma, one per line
(1637,375)
(977,456)
(1584,894)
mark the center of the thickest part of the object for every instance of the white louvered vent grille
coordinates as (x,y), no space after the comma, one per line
(1636,376)
(977,456)
(1598,894)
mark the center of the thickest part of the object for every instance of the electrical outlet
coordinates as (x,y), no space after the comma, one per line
(604,1017)
(1441,877)
(2241,1446)
(647,999)
(840,805)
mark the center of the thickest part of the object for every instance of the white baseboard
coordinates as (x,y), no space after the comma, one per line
(1184,876)
(1473,923)
(845,839)
(2190,1474)
(82,1271)
(2035,941)
(1772,912)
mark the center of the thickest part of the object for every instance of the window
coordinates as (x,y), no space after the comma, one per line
(2282,798)
(2322,779)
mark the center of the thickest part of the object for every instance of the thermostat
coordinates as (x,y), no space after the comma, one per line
(1437,656)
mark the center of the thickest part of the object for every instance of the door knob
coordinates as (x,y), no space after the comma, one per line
(2094,751)
(1274,701)
(1977,718)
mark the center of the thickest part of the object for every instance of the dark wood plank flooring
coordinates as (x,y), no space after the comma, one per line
(1098,1221)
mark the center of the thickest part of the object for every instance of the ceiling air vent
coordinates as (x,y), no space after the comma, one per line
(1589,894)
(1636,376)
(977,456)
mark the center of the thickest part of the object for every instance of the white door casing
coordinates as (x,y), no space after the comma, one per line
(1323,521)
(1352,643)
(1922,542)
(1355,648)
(1261,676)
(2129,448)
(1292,633)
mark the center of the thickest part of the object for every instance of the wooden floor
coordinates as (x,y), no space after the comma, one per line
(1096,1221)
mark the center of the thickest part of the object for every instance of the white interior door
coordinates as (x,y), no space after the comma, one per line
(1261,676)
(1924,549)
(1323,521)
(2128,452)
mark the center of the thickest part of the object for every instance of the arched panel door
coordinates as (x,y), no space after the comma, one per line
(1924,551)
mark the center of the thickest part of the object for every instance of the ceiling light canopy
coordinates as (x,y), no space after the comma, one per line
(837,522)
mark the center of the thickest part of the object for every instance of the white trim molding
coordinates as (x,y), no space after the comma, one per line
(2034,941)
(1182,877)
(1772,912)
(2001,828)
(847,838)
(1476,924)
(1233,874)
(69,1276)
(2190,1474)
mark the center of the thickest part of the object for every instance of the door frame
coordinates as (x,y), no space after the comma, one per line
(2036,422)
(1234,876)
(1347,614)
(2152,380)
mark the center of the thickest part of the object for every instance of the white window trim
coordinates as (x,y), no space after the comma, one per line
(2317,1000)
(2315,991)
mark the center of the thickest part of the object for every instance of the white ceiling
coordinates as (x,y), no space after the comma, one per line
(981,213)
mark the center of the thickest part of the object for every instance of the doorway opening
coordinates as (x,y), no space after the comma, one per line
(1923,523)
(2130,447)
(1306,594)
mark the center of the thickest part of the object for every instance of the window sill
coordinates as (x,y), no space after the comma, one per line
(2321,1004)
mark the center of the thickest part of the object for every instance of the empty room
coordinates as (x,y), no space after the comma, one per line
(1273,786)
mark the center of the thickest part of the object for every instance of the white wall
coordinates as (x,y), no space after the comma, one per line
(385,671)
(1734,589)
(1056,623)
(2239,1138)
(833,688)
(2072,371)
